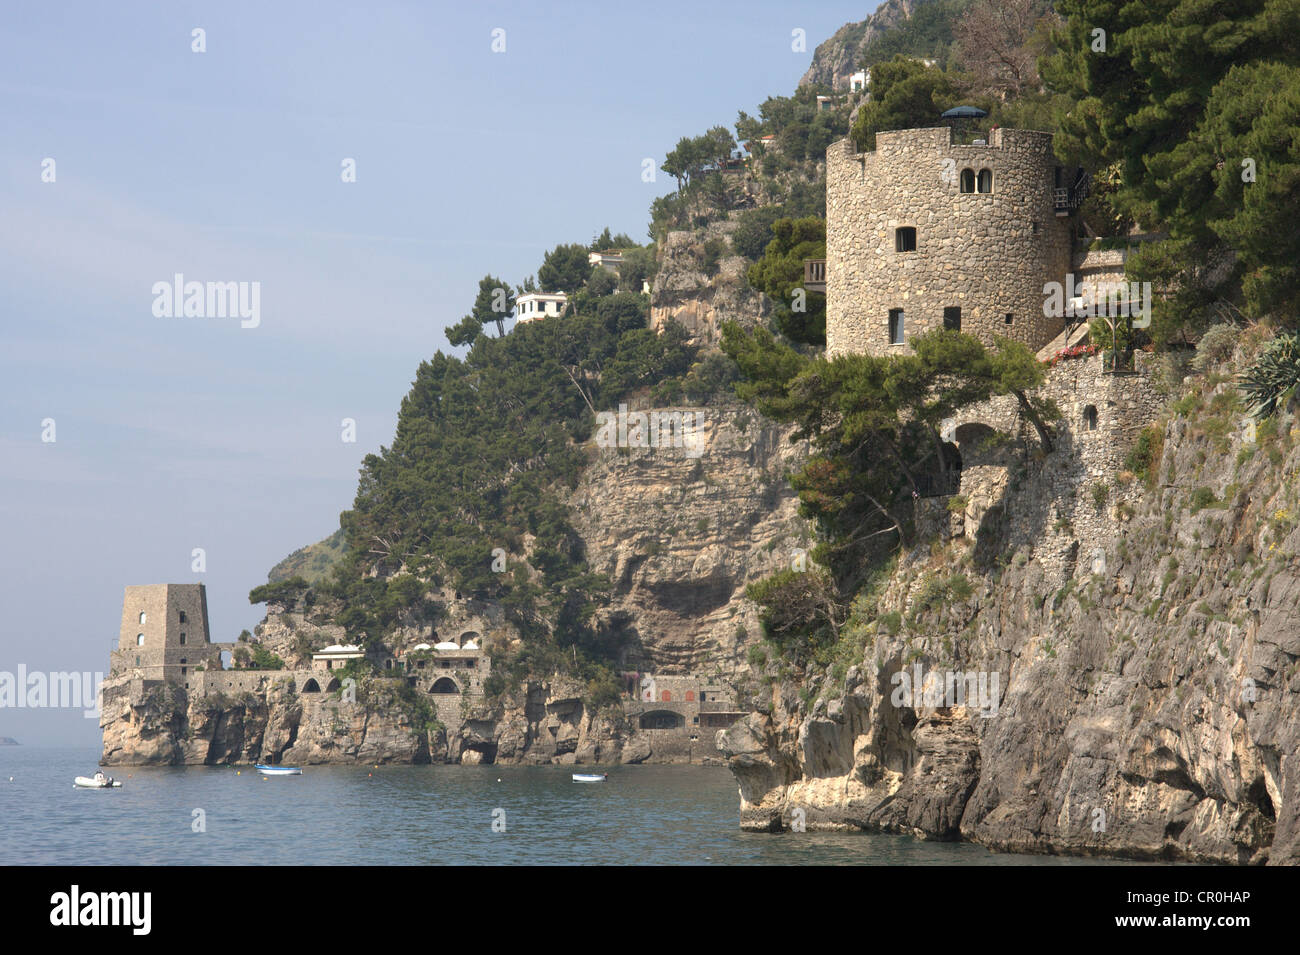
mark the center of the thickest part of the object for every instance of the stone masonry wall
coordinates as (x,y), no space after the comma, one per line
(987,253)
(1063,523)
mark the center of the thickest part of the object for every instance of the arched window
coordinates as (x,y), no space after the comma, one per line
(666,696)
(444,685)
(332,685)
(690,696)
(968,180)
(986,180)
(142,616)
(1090,418)
(311,686)
(139,639)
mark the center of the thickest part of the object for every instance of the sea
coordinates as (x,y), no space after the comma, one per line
(414,815)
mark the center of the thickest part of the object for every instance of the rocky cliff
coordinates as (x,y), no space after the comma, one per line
(839,57)
(1137,699)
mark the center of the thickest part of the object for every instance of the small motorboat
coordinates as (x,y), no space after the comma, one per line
(590,777)
(277,770)
(98,781)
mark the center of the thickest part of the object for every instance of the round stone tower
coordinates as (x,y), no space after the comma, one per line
(925,234)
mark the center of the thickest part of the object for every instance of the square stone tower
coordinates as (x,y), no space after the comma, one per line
(923,233)
(164,633)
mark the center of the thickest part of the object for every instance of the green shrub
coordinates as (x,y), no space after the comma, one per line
(1202,498)
(1215,346)
(1142,458)
(1100,493)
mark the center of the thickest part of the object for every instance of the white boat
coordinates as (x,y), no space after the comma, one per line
(99,781)
(590,777)
(277,770)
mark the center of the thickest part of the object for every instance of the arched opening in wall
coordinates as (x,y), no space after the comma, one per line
(311,686)
(941,480)
(332,685)
(968,180)
(974,440)
(143,616)
(666,696)
(986,180)
(662,720)
(388,664)
(139,639)
(690,696)
(446,685)
(1090,418)
(467,636)
(905,239)
(227,658)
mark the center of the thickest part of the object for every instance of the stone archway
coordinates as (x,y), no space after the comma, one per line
(444,686)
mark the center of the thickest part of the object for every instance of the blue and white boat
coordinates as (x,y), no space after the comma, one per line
(277,770)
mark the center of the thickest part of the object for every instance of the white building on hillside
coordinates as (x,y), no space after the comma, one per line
(538,305)
(610,259)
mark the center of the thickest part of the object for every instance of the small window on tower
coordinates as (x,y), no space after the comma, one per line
(182,638)
(139,639)
(895,326)
(905,239)
(986,180)
(182,613)
(1007,320)
(968,180)
(952,318)
(142,616)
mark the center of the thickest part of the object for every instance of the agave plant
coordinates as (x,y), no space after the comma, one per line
(1275,372)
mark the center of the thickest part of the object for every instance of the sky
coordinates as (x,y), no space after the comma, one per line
(131,437)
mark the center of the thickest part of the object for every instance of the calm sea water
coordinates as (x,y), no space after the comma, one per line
(411,815)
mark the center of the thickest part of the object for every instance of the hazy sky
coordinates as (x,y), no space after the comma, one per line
(172,434)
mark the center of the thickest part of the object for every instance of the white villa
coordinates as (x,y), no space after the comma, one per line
(339,654)
(538,305)
(609,259)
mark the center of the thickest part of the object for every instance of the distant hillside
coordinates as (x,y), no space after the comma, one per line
(311,562)
(8,741)
(913,27)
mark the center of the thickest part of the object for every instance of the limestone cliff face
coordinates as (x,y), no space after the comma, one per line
(168,726)
(699,302)
(838,58)
(1146,695)
(682,531)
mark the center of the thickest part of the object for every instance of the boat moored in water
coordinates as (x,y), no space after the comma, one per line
(277,770)
(98,781)
(590,777)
